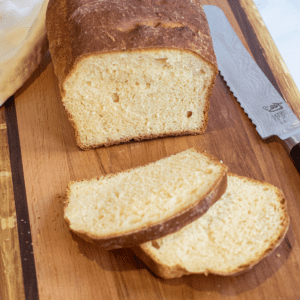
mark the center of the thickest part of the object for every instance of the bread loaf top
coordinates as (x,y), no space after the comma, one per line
(82,27)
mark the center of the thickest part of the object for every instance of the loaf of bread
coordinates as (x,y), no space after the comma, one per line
(132,69)
(244,226)
(145,203)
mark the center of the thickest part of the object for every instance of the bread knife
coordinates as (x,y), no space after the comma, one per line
(264,106)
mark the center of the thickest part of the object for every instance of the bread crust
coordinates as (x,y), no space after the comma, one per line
(79,28)
(162,228)
(168,272)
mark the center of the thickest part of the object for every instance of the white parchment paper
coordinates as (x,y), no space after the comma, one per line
(23,42)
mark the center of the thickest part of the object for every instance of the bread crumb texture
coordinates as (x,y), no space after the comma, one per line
(117,204)
(248,221)
(113,97)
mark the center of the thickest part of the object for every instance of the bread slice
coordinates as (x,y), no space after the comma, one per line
(132,69)
(244,226)
(145,203)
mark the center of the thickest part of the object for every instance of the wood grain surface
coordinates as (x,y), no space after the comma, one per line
(11,279)
(69,268)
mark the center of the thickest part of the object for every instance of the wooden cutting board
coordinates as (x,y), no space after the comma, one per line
(41,259)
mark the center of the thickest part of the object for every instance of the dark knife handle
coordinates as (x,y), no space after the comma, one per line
(295,155)
(292,145)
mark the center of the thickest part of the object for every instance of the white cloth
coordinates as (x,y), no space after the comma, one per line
(23,42)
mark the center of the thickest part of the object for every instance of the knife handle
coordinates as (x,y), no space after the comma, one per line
(293,147)
(295,155)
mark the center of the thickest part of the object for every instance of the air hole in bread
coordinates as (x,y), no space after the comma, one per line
(189,114)
(89,83)
(157,25)
(161,60)
(155,244)
(148,85)
(115,97)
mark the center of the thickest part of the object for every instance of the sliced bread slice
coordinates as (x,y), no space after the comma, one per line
(244,226)
(145,203)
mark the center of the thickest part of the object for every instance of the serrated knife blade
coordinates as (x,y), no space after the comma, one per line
(260,100)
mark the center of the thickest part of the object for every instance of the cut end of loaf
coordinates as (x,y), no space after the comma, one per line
(119,96)
(248,222)
(145,203)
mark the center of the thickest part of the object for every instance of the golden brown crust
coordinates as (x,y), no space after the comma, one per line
(167,272)
(159,269)
(155,231)
(82,27)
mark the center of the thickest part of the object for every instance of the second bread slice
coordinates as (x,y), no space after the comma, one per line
(244,226)
(145,203)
